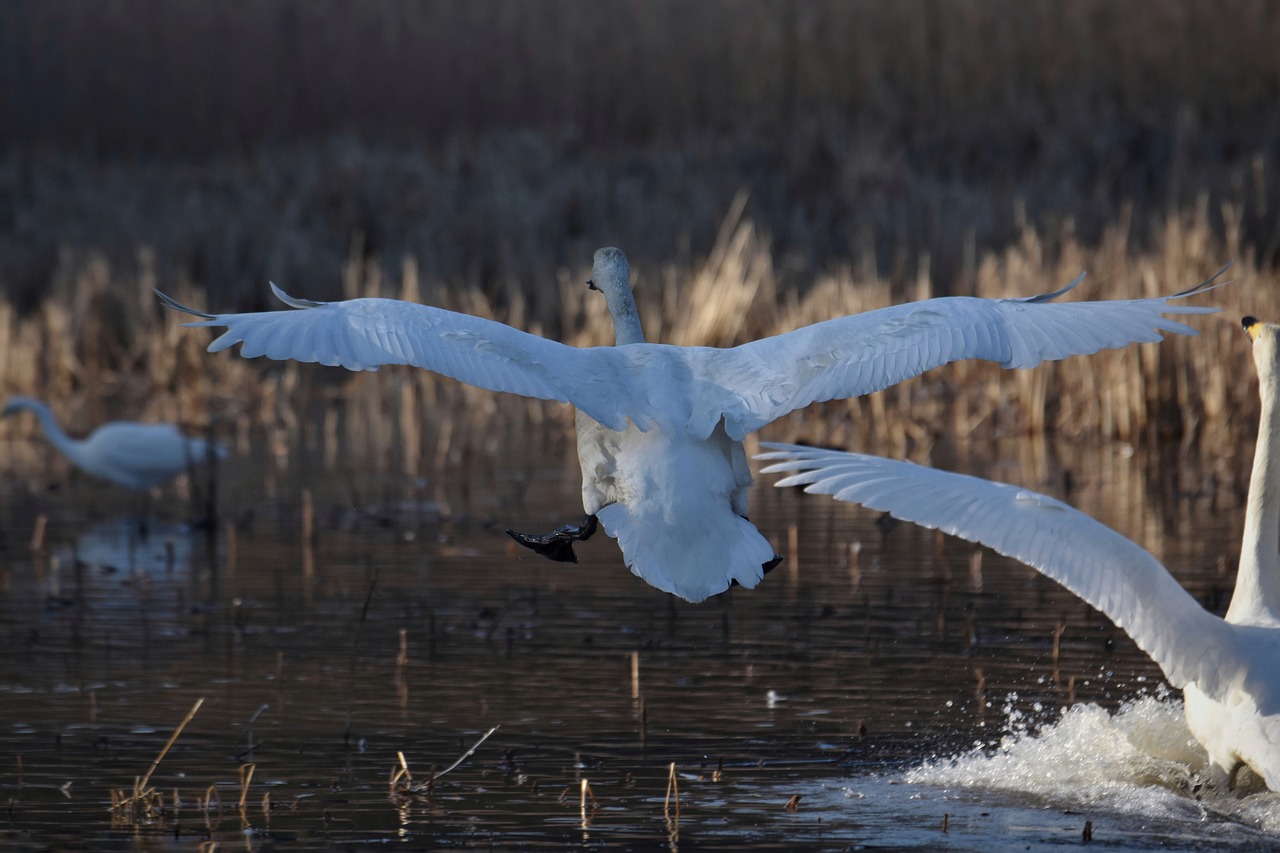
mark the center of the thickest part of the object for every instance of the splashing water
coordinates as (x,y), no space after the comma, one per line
(1146,742)
(1141,760)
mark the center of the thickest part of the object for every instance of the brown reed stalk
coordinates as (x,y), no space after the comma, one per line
(37,534)
(246,776)
(1058,630)
(468,753)
(401,780)
(401,771)
(140,789)
(210,794)
(975,570)
(673,794)
(308,517)
(586,793)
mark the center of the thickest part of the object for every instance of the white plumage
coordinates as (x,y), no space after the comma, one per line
(661,443)
(1228,668)
(133,455)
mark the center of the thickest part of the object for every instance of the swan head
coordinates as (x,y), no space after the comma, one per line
(611,275)
(18,404)
(609,271)
(1266,347)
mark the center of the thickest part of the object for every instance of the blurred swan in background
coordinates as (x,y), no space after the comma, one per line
(1228,668)
(132,455)
(660,427)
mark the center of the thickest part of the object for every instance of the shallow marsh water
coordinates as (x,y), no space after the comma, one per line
(858,678)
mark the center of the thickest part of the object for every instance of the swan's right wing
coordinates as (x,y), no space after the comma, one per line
(757,382)
(1110,572)
(364,334)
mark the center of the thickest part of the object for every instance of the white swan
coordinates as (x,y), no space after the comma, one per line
(135,456)
(661,427)
(1228,669)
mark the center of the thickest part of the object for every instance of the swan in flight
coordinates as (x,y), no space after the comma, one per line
(133,455)
(1228,668)
(660,427)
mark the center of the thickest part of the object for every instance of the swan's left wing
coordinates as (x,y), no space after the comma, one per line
(755,383)
(1110,572)
(364,334)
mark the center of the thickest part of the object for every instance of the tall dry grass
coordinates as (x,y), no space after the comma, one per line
(101,347)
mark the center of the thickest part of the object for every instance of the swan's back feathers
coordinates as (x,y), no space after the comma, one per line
(1105,569)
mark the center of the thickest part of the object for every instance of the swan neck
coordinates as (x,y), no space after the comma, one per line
(65,444)
(626,319)
(1257,594)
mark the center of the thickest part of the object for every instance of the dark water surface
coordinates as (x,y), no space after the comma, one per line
(842,680)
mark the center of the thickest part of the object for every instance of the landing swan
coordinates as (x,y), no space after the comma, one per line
(661,427)
(135,456)
(1228,668)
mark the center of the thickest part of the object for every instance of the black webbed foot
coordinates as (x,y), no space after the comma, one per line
(887,524)
(767,567)
(558,544)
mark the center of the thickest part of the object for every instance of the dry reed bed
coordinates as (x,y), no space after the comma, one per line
(111,351)
(252,140)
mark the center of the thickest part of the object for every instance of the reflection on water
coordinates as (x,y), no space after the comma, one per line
(408,624)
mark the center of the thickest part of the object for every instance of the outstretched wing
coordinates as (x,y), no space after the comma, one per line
(862,353)
(1110,572)
(695,387)
(364,334)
